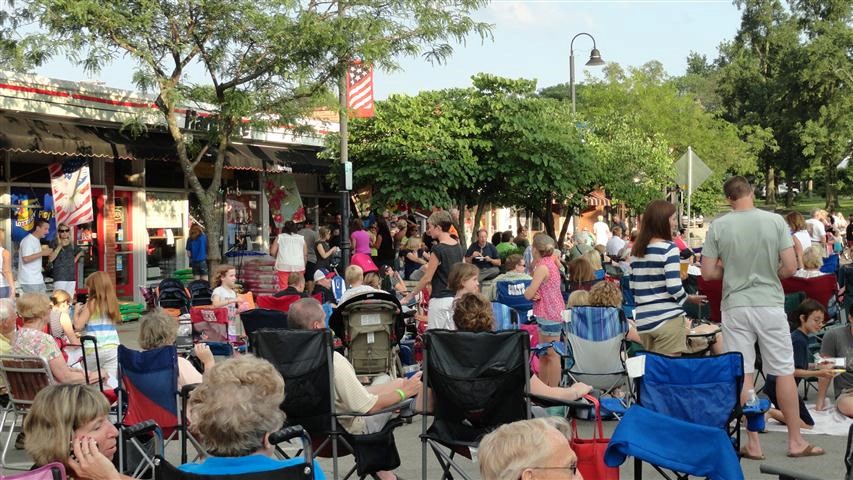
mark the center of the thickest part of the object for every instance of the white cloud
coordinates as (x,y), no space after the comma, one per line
(524,13)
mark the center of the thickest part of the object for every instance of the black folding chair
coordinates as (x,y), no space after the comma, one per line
(305,360)
(258,318)
(479,381)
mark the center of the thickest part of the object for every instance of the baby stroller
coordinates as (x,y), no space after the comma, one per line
(173,297)
(370,326)
(200,292)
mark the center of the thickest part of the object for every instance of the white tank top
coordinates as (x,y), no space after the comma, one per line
(3,282)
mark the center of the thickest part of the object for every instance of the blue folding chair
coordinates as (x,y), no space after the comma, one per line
(685,419)
(505,317)
(511,294)
(596,340)
(831,264)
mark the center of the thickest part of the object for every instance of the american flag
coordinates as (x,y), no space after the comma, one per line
(72,191)
(360,89)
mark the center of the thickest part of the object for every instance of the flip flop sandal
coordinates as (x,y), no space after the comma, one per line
(809,451)
(744,454)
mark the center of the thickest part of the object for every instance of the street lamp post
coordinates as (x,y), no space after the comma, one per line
(594,61)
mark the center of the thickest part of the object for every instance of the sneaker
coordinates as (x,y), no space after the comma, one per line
(19,442)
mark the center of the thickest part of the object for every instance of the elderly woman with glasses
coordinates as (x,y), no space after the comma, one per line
(529,450)
(64,258)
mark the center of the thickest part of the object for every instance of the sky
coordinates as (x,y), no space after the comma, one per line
(531,40)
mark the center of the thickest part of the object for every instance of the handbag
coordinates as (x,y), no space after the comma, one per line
(590,451)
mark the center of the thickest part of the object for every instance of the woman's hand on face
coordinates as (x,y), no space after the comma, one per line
(89,463)
(202,351)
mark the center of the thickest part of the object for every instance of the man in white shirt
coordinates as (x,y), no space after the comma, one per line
(30,254)
(816,229)
(615,244)
(601,231)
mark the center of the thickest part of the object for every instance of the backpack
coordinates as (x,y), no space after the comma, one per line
(200,292)
(171,293)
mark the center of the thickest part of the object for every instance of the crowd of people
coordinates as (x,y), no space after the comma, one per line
(749,250)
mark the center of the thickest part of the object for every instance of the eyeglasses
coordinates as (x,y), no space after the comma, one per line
(65,230)
(572,469)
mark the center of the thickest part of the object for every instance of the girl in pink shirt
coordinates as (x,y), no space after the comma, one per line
(548,305)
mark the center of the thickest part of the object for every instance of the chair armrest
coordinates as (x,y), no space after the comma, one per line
(577,408)
(290,433)
(406,408)
(187,389)
(784,473)
(140,428)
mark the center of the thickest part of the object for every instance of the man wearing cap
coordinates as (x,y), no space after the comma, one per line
(323,286)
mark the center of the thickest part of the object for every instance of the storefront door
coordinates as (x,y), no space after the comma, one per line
(123,218)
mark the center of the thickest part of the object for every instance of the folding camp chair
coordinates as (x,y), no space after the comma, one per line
(148,389)
(370,326)
(258,318)
(511,294)
(306,362)
(51,471)
(506,318)
(296,471)
(686,417)
(597,347)
(25,376)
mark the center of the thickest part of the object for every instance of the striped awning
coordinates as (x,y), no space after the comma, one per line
(597,199)
(274,159)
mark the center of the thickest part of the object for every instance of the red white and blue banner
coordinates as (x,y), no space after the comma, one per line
(360,89)
(72,191)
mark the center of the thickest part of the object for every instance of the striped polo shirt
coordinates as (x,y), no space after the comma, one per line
(656,284)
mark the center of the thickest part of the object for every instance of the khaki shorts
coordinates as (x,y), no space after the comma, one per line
(669,338)
(743,326)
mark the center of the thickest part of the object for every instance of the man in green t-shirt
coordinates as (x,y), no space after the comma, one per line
(751,251)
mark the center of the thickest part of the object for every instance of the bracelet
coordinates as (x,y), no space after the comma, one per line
(402,394)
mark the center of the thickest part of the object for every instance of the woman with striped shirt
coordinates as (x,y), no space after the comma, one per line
(656,282)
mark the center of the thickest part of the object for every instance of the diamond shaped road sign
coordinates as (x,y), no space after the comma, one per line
(700,171)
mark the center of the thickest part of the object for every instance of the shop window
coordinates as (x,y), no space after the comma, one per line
(165,219)
(164,174)
(131,173)
(243,221)
(31,170)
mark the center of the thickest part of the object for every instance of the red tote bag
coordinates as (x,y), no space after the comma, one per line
(590,451)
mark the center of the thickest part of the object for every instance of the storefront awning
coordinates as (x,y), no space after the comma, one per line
(51,137)
(597,199)
(273,159)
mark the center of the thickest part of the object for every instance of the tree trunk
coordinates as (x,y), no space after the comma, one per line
(548,219)
(770,176)
(460,225)
(831,177)
(478,215)
(565,229)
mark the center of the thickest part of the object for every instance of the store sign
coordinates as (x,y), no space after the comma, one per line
(165,210)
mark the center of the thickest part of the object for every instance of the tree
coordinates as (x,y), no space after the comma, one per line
(263,59)
(646,101)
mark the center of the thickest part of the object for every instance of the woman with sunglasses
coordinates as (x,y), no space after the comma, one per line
(64,258)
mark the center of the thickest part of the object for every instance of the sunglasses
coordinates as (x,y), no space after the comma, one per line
(64,230)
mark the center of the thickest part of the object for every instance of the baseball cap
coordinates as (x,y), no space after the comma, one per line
(322,273)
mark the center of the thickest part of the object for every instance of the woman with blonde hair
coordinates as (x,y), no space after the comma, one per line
(548,304)
(98,318)
(234,412)
(324,252)
(812,260)
(157,329)
(605,294)
(69,424)
(31,340)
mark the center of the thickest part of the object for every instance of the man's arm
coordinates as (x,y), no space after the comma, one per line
(712,268)
(788,265)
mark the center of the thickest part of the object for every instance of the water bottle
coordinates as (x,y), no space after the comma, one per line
(753,398)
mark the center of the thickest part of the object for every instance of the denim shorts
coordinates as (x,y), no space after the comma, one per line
(549,328)
(199,268)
